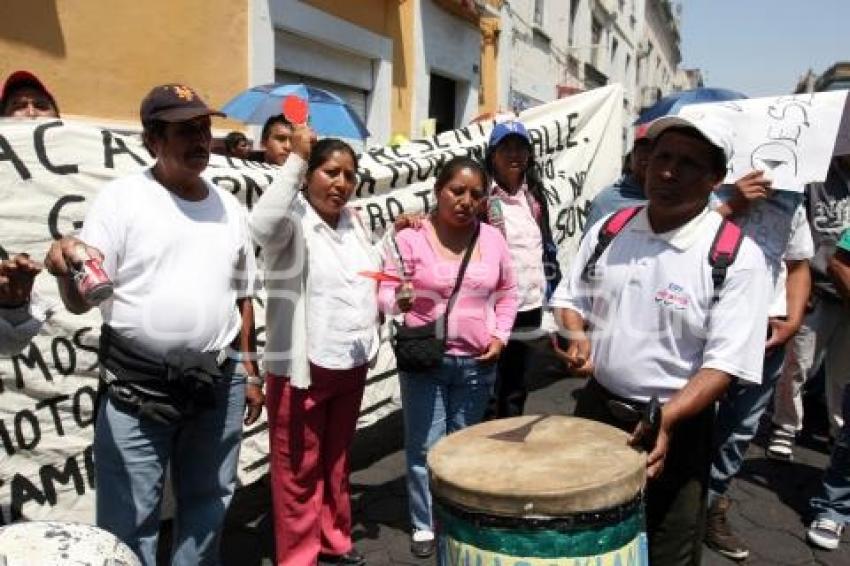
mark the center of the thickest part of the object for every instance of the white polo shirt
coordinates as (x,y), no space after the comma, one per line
(651,321)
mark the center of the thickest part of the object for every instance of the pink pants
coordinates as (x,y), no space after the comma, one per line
(310,433)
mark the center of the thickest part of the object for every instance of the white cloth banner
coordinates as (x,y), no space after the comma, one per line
(51,170)
(791,138)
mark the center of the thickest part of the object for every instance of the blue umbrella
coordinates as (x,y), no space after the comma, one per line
(329,114)
(670,104)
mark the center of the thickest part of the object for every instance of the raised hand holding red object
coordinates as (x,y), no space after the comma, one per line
(295,109)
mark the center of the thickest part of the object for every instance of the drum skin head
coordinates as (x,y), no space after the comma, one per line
(536,466)
(55,543)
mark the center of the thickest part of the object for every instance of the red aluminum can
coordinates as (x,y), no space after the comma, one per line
(91,280)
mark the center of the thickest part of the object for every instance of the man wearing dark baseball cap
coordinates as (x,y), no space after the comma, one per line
(25,96)
(174,103)
(179,254)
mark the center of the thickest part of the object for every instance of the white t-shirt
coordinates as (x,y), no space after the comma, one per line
(342,304)
(525,244)
(178,266)
(652,324)
(800,247)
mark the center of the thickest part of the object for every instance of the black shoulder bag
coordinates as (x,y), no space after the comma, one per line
(419,349)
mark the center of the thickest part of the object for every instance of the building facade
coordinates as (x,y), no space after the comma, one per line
(560,47)
(100,58)
(836,77)
(405,66)
(660,55)
(688,79)
(532,52)
(409,67)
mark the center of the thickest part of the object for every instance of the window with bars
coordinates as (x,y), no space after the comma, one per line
(538,13)
(573,10)
(595,41)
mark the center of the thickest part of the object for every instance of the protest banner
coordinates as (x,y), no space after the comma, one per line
(51,170)
(792,138)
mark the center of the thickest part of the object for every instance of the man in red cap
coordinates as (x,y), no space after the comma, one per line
(178,251)
(21,314)
(25,96)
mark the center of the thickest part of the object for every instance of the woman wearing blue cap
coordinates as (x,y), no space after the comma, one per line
(517,207)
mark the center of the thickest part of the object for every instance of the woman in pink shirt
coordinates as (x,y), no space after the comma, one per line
(454,394)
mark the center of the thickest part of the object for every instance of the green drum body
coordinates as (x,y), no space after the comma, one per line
(539,491)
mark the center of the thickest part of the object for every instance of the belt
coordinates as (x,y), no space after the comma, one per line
(626,410)
(633,412)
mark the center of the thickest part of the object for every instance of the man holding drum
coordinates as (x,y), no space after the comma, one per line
(651,317)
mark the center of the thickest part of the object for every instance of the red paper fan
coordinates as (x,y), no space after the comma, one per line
(295,109)
(380,276)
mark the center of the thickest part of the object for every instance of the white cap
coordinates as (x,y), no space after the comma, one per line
(715,130)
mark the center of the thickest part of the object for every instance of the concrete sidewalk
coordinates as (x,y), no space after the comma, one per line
(770,499)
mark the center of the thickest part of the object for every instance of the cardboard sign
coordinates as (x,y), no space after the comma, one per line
(792,138)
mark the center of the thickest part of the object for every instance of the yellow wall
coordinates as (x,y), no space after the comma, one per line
(368,14)
(489,94)
(402,19)
(393,19)
(100,57)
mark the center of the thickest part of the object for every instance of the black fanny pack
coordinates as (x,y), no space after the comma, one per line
(421,348)
(164,390)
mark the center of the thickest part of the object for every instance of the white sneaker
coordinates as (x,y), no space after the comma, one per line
(422,535)
(422,543)
(781,445)
(825,533)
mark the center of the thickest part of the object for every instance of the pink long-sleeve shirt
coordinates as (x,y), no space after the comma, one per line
(487,303)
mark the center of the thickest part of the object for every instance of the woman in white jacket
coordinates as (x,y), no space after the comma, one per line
(322,330)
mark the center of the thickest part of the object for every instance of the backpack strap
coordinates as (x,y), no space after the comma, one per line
(723,252)
(612,226)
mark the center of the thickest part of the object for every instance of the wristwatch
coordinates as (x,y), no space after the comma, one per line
(254,380)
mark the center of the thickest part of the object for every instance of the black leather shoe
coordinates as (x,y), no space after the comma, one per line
(423,548)
(350,558)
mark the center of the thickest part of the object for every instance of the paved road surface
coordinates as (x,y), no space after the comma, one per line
(770,499)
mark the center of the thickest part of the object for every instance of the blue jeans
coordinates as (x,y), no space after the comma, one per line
(738,418)
(131,455)
(437,403)
(834,500)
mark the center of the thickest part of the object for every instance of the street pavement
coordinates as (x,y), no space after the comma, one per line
(770,498)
